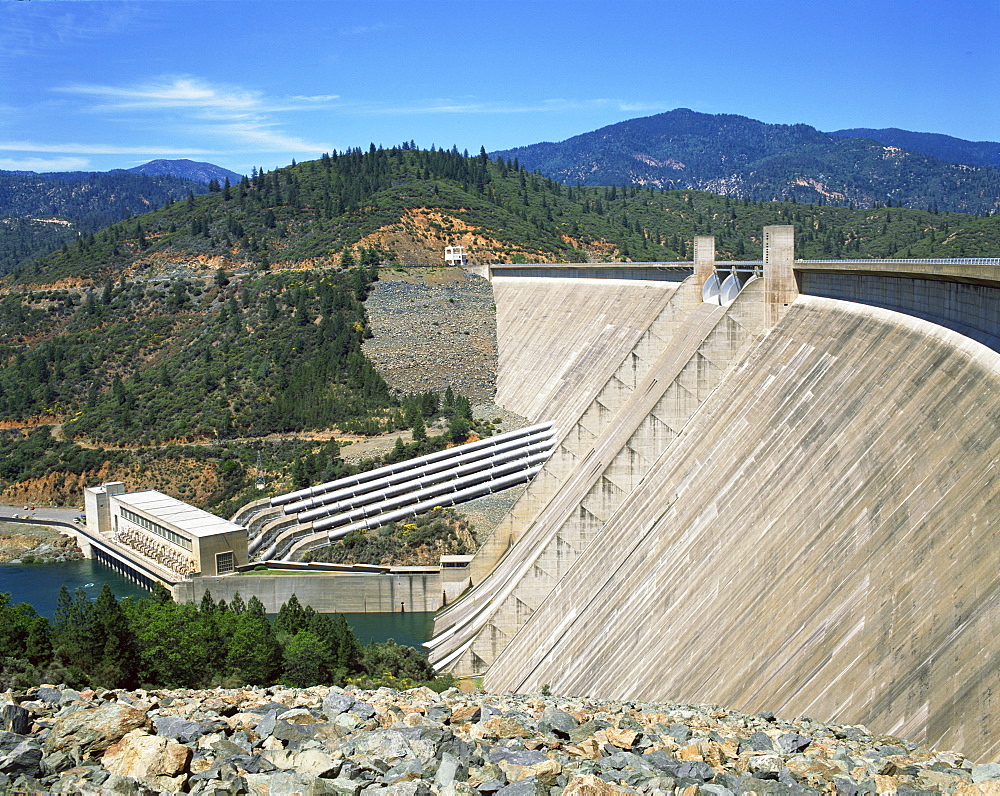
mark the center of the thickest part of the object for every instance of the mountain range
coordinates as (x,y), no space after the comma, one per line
(728,155)
(188,170)
(936,145)
(740,157)
(405,205)
(39,212)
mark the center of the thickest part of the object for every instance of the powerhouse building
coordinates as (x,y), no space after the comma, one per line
(154,537)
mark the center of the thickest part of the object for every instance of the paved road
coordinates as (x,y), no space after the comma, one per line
(40,513)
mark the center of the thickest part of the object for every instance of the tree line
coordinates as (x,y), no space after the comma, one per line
(321,210)
(158,643)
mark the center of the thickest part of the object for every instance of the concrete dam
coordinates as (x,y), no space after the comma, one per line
(782,494)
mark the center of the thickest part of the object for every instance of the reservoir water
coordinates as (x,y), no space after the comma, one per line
(38,585)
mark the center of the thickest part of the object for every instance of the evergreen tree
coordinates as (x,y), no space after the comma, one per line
(305,660)
(290,619)
(73,630)
(118,666)
(254,653)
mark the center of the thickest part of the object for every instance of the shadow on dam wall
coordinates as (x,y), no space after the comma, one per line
(818,537)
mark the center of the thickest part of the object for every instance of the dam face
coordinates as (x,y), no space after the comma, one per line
(790,503)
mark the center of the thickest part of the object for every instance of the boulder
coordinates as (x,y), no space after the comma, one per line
(93,730)
(336,703)
(558,722)
(183,730)
(25,758)
(14,718)
(153,759)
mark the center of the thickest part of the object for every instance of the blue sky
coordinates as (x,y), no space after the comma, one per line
(90,84)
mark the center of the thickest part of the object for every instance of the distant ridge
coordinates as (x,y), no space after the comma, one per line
(744,158)
(188,170)
(935,145)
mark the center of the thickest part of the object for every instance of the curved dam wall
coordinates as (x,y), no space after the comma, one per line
(635,416)
(968,301)
(556,338)
(820,538)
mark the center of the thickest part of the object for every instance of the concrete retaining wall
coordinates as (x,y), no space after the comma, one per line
(326,593)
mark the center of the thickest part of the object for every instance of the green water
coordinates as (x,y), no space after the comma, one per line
(38,585)
(411,629)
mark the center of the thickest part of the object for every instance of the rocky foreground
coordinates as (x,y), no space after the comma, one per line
(330,740)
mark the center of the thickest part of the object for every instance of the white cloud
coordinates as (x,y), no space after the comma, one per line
(238,118)
(45,164)
(259,138)
(181,92)
(193,94)
(100,149)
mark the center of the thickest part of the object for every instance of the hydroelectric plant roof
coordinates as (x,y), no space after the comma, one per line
(188,519)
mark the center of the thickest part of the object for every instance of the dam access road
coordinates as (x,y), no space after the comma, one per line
(789,501)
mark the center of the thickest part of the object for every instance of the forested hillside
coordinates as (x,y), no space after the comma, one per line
(155,349)
(404,205)
(171,366)
(943,147)
(744,158)
(39,212)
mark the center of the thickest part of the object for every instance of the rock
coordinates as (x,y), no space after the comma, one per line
(987,772)
(25,758)
(290,782)
(362,710)
(183,730)
(292,732)
(680,733)
(558,722)
(450,770)
(51,695)
(404,771)
(314,762)
(93,730)
(15,719)
(524,787)
(758,742)
(335,703)
(394,745)
(277,741)
(585,730)
(266,725)
(9,740)
(765,765)
(153,759)
(793,742)
(298,716)
(504,727)
(589,785)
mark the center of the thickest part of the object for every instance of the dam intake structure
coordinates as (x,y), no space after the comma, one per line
(784,497)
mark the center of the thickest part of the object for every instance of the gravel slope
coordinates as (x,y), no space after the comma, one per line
(434,328)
